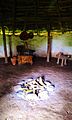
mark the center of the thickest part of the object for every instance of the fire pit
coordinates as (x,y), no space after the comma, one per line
(33,89)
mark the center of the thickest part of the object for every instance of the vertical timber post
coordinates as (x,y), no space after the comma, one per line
(10,46)
(4,41)
(49,47)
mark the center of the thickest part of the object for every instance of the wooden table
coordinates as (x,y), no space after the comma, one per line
(22,59)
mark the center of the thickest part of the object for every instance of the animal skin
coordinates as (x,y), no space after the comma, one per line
(63,58)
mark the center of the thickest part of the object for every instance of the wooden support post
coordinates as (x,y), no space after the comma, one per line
(4,41)
(49,47)
(10,46)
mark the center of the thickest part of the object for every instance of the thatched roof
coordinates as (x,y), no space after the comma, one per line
(31,14)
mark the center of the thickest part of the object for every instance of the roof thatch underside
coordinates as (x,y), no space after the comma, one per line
(34,14)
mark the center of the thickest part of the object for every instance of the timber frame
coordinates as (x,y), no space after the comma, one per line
(35,14)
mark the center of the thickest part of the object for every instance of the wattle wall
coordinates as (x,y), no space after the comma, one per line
(61,43)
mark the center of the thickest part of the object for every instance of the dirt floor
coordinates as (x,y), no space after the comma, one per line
(58,106)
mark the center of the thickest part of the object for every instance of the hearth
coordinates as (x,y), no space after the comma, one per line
(34,89)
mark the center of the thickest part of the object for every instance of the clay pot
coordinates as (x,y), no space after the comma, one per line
(13,61)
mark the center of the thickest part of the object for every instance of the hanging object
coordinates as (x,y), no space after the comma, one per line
(24,35)
(31,35)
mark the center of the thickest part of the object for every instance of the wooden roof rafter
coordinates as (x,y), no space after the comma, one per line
(55,12)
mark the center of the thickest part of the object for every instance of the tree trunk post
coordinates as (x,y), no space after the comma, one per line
(10,46)
(4,41)
(49,47)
